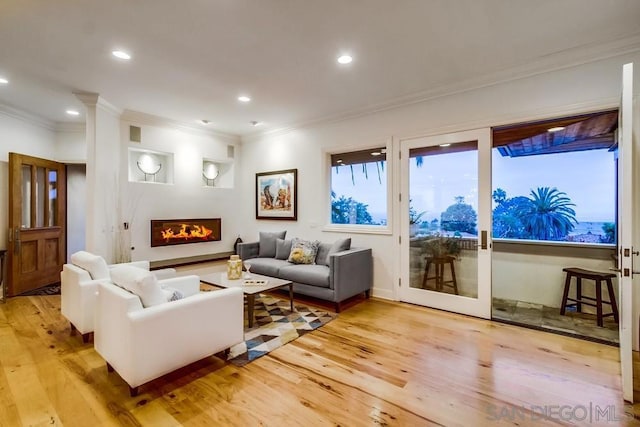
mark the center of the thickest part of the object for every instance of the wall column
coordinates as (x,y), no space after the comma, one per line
(103,175)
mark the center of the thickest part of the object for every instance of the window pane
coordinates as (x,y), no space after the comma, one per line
(26,196)
(567,196)
(53,198)
(359,190)
(41,188)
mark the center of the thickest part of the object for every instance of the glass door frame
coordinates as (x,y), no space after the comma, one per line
(480,306)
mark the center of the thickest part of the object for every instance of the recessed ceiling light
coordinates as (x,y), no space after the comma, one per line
(120,54)
(444,145)
(255,123)
(376,153)
(205,122)
(3,81)
(73,112)
(556,129)
(345,59)
(244,98)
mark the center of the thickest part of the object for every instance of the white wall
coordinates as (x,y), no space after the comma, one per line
(583,88)
(76,208)
(186,198)
(71,144)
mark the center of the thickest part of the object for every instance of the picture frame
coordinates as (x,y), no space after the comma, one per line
(276,195)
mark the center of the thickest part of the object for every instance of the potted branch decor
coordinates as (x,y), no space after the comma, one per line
(439,246)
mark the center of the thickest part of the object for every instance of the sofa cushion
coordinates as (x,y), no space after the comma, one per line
(323,253)
(309,274)
(267,266)
(139,282)
(303,251)
(338,246)
(95,265)
(283,249)
(268,243)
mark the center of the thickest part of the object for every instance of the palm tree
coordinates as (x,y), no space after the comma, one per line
(549,216)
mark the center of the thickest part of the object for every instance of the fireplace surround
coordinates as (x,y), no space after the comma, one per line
(168,232)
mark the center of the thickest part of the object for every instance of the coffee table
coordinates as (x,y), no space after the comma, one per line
(250,291)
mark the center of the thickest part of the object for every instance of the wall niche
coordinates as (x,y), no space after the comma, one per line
(149,166)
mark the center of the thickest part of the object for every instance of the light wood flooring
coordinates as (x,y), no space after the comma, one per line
(378,364)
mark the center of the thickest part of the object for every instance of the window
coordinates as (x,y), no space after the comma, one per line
(359,187)
(558,184)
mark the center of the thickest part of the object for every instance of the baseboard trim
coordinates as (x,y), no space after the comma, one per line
(383,294)
(176,262)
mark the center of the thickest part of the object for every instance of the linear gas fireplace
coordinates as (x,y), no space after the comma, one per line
(166,232)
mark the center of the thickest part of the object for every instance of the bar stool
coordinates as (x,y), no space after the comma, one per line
(598,278)
(439,263)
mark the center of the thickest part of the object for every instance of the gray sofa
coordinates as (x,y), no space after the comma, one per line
(338,273)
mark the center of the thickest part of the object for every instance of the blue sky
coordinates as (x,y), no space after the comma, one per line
(588,178)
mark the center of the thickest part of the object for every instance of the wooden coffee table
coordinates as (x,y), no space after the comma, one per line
(250,290)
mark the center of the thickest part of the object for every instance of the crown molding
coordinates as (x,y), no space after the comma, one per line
(157,121)
(25,116)
(556,61)
(92,99)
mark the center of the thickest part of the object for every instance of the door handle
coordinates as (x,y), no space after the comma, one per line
(483,239)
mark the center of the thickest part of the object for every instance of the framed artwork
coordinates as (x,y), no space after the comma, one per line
(276,195)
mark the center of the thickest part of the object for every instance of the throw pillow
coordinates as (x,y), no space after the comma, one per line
(172,294)
(283,249)
(338,246)
(267,247)
(139,282)
(323,253)
(95,265)
(303,251)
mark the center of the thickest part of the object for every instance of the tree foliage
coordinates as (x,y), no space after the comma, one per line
(547,214)
(459,217)
(349,211)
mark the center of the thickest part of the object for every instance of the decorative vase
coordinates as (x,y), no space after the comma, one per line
(234,267)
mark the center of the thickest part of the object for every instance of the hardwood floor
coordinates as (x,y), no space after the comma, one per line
(378,363)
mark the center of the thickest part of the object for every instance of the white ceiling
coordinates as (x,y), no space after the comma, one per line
(192,58)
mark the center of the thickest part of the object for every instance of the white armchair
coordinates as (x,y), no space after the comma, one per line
(142,344)
(79,283)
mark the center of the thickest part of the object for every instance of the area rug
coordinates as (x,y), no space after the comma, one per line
(45,290)
(274,326)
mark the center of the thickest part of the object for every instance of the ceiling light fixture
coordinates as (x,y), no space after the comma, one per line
(244,98)
(120,54)
(73,112)
(556,129)
(444,145)
(3,81)
(345,59)
(255,123)
(205,122)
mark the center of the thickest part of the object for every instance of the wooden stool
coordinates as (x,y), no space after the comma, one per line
(439,263)
(598,277)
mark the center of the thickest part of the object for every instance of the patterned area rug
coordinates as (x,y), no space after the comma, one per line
(274,326)
(45,290)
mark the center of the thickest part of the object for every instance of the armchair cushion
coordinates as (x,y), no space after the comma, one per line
(94,264)
(139,282)
(268,243)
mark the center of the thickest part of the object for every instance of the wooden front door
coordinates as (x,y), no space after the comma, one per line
(37,200)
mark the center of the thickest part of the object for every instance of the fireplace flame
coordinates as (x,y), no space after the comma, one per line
(187,232)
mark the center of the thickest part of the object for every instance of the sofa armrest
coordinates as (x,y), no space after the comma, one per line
(164,273)
(350,272)
(140,264)
(77,297)
(248,250)
(187,285)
